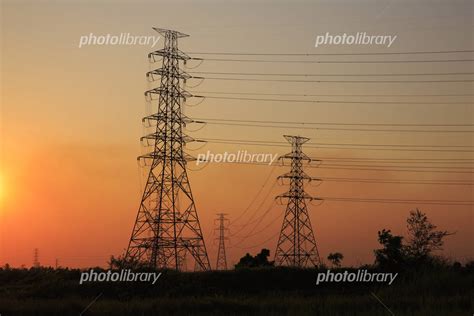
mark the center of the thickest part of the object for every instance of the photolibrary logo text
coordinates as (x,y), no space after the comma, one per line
(359,276)
(359,38)
(126,275)
(122,39)
(241,156)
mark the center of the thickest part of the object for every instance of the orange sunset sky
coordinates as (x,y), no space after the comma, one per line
(71,122)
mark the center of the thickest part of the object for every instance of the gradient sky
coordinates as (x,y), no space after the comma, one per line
(71,121)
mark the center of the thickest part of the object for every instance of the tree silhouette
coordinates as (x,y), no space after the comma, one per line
(336,258)
(392,255)
(423,238)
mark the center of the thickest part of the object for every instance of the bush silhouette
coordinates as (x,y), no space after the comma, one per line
(260,260)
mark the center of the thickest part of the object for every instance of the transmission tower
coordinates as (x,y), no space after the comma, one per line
(36,262)
(167,227)
(296,245)
(221,257)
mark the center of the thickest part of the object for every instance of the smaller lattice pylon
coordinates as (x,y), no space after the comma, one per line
(36,263)
(221,263)
(296,245)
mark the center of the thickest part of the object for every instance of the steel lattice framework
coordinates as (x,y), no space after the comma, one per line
(221,256)
(167,227)
(296,245)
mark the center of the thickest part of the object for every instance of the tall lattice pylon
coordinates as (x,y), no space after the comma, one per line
(221,256)
(167,227)
(296,245)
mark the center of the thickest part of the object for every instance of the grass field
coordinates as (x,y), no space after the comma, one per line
(270,291)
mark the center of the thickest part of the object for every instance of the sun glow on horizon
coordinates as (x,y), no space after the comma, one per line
(2,190)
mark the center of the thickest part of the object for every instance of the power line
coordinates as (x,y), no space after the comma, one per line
(261,230)
(337,95)
(328,75)
(251,232)
(332,61)
(251,221)
(392,170)
(396,145)
(332,54)
(385,161)
(413,160)
(362,169)
(373,168)
(327,145)
(405,181)
(330,81)
(397,201)
(397,166)
(395,149)
(331,123)
(257,245)
(324,101)
(342,129)
(254,199)
(424,162)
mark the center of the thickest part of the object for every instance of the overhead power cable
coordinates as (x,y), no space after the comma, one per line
(255,197)
(397,201)
(251,232)
(355,167)
(251,218)
(325,101)
(413,163)
(395,181)
(401,160)
(334,95)
(398,166)
(331,81)
(327,145)
(331,123)
(334,54)
(329,75)
(394,170)
(261,230)
(342,129)
(333,61)
(257,245)
(394,145)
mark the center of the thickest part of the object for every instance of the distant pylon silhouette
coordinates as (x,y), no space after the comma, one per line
(296,245)
(221,256)
(36,262)
(167,227)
